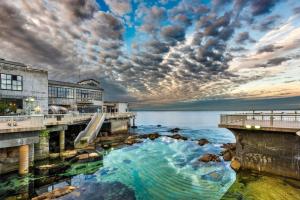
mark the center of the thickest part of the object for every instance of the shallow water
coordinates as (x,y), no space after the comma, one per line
(161,169)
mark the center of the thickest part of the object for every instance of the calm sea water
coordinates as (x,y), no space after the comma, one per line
(162,169)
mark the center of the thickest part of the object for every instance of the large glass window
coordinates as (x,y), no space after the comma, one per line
(59,92)
(11,82)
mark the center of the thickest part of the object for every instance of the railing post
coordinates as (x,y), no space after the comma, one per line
(271,118)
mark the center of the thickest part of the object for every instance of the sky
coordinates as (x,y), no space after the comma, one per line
(163,51)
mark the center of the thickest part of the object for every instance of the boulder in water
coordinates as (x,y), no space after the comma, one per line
(174,130)
(209,157)
(227,155)
(151,136)
(229,151)
(132,140)
(203,142)
(178,137)
(235,164)
(56,193)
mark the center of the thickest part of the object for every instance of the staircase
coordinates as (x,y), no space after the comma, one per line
(89,134)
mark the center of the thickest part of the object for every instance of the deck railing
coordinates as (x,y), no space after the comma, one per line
(40,121)
(280,120)
(21,121)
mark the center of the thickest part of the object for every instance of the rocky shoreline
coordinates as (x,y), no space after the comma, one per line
(93,153)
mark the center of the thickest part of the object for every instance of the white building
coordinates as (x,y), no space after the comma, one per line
(22,88)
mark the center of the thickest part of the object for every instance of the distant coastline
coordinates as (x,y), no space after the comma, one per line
(287,103)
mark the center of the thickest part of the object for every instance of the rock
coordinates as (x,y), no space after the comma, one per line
(69,154)
(209,157)
(174,130)
(235,164)
(229,146)
(158,125)
(227,156)
(134,127)
(178,137)
(88,157)
(54,155)
(151,136)
(229,151)
(132,140)
(203,142)
(55,193)
(106,146)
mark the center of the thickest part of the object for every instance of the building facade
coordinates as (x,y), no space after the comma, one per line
(22,89)
(115,107)
(84,96)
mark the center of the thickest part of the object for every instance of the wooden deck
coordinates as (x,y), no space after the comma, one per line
(282,122)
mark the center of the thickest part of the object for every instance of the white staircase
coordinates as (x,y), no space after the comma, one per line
(89,134)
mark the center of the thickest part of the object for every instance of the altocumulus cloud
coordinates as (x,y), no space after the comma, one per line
(153,51)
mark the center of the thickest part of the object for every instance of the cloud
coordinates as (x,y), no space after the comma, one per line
(297,10)
(268,48)
(171,52)
(173,33)
(119,7)
(260,7)
(243,37)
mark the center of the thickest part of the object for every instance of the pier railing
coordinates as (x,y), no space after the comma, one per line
(38,122)
(21,122)
(258,120)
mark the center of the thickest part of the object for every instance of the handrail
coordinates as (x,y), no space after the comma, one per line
(284,120)
(82,133)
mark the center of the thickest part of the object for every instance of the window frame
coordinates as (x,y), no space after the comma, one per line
(11,82)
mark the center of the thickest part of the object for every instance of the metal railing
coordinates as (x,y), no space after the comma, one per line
(21,121)
(30,121)
(119,115)
(272,119)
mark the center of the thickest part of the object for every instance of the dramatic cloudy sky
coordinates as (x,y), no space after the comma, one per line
(160,51)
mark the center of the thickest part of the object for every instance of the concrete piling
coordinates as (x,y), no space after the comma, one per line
(23,159)
(62,141)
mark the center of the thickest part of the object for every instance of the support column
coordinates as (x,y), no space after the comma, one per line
(62,141)
(23,159)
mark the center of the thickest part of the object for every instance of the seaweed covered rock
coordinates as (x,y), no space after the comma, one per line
(235,164)
(178,137)
(209,157)
(203,142)
(89,157)
(151,136)
(55,193)
(229,151)
(132,140)
(174,130)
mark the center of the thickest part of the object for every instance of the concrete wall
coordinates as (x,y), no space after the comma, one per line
(9,158)
(119,126)
(122,107)
(273,152)
(35,84)
(41,149)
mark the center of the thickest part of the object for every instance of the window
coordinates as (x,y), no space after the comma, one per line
(58,92)
(11,82)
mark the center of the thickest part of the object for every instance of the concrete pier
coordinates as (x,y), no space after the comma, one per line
(266,142)
(62,141)
(29,140)
(23,159)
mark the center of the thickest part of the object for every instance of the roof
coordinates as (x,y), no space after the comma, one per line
(12,63)
(108,102)
(74,85)
(22,65)
(91,79)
